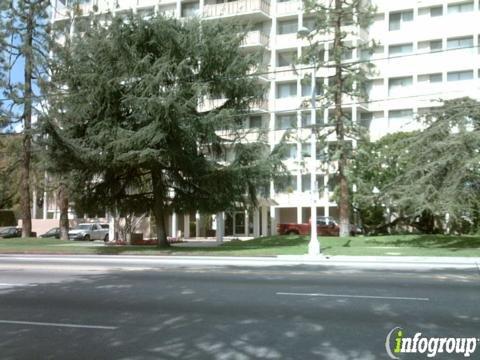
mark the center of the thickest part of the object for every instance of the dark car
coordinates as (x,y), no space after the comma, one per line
(10,232)
(52,233)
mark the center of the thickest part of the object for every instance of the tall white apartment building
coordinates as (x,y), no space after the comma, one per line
(428,49)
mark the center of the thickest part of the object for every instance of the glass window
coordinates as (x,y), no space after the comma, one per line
(287,27)
(310,53)
(436,11)
(146,13)
(307,116)
(285,90)
(430,78)
(307,151)
(399,84)
(307,87)
(290,152)
(400,49)
(190,9)
(460,42)
(309,23)
(400,114)
(306,181)
(285,121)
(285,184)
(460,7)
(286,58)
(435,45)
(396,19)
(460,75)
(255,122)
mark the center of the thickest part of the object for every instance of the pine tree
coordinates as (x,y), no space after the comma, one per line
(134,130)
(440,184)
(23,44)
(340,22)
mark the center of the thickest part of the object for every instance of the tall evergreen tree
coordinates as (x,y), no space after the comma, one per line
(23,47)
(442,168)
(135,129)
(340,23)
(429,179)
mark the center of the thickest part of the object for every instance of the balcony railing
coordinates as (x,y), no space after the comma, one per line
(236,8)
(255,38)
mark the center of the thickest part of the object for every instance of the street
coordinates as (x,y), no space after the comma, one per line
(90,308)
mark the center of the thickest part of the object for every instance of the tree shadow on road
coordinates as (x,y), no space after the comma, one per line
(183,317)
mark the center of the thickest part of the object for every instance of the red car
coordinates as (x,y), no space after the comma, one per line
(326,226)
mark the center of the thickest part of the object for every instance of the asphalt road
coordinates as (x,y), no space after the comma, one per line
(69,309)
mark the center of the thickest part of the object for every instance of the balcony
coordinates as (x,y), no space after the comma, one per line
(254,9)
(288,7)
(255,40)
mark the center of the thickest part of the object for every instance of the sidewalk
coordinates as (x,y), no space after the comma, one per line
(354,262)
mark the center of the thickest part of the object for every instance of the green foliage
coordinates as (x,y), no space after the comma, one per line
(131,131)
(9,171)
(14,48)
(423,176)
(442,175)
(7,218)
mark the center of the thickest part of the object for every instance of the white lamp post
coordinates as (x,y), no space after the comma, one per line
(314,244)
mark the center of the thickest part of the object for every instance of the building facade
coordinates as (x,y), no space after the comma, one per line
(427,50)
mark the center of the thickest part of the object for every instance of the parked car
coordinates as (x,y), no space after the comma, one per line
(10,232)
(88,232)
(326,226)
(52,233)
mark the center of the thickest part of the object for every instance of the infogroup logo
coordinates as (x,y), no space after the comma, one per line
(397,343)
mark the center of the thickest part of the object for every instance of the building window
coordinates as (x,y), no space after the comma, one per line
(285,184)
(319,150)
(146,13)
(460,75)
(460,42)
(190,9)
(399,85)
(397,19)
(333,182)
(431,45)
(255,122)
(287,27)
(306,181)
(400,49)
(307,87)
(367,54)
(290,152)
(285,90)
(310,53)
(432,11)
(430,78)
(307,118)
(400,114)
(285,121)
(460,7)
(436,11)
(286,58)
(309,23)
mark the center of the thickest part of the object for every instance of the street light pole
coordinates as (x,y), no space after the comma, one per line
(314,244)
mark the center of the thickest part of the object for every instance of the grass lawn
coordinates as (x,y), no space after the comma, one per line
(393,245)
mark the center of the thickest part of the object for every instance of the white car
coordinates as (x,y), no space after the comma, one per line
(89,232)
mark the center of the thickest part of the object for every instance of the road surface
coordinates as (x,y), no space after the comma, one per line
(90,308)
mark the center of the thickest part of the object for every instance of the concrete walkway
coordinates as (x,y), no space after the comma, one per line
(353,262)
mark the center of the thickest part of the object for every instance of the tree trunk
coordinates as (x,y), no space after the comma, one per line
(63,206)
(343,203)
(159,207)
(27,125)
